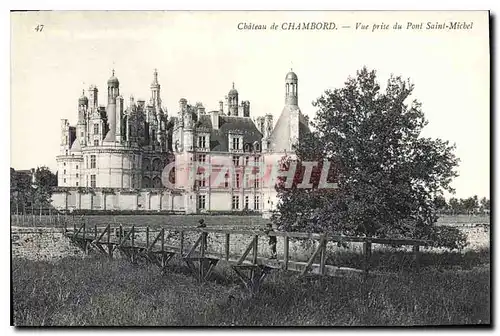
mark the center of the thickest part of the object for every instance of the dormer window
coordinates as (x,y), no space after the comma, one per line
(96,128)
(201,141)
(236,143)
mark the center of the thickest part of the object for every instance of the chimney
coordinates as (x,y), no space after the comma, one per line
(268,127)
(260,124)
(215,119)
(246,108)
(182,104)
(200,110)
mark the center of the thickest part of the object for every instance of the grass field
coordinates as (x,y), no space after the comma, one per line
(211,221)
(100,292)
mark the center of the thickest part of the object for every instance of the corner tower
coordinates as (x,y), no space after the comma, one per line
(291,125)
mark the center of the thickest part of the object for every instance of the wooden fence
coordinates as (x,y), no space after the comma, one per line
(43,220)
(250,264)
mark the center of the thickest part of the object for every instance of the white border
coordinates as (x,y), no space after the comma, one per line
(186,5)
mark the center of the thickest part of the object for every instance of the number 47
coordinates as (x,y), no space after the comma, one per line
(39,28)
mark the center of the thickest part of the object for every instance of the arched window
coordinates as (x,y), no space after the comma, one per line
(146,182)
(157,182)
(146,165)
(157,165)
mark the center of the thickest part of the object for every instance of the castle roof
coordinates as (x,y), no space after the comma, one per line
(291,76)
(75,147)
(219,138)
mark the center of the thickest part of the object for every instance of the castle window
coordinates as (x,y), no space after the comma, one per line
(226,180)
(77,184)
(64,164)
(76,166)
(236,160)
(236,203)
(92,161)
(247,159)
(201,141)
(237,181)
(76,174)
(202,158)
(96,128)
(92,181)
(246,202)
(64,180)
(201,202)
(256,202)
(256,183)
(64,171)
(236,143)
(201,182)
(96,142)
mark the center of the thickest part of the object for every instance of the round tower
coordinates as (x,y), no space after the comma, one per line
(291,89)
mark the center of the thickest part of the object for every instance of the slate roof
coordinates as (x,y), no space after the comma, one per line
(219,138)
(75,147)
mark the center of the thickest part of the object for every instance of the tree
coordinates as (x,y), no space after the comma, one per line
(388,176)
(470,205)
(27,195)
(485,204)
(440,203)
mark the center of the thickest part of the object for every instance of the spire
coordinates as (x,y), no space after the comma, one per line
(155,78)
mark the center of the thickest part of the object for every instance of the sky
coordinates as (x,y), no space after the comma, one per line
(199,54)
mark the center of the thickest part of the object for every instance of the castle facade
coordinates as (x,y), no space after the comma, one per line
(137,157)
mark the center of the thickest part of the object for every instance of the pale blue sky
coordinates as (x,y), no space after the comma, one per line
(198,56)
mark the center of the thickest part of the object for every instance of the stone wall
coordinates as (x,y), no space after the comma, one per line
(42,244)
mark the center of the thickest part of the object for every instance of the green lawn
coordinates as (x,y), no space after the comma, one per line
(100,292)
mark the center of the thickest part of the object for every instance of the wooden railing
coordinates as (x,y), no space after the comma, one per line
(127,237)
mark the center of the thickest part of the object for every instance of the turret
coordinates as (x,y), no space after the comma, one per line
(113,93)
(155,91)
(232,99)
(93,101)
(291,89)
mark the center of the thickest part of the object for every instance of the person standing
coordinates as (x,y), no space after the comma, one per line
(201,224)
(272,241)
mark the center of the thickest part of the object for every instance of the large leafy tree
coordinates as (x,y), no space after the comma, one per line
(388,175)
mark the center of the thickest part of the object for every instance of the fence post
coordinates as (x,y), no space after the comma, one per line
(367,251)
(286,248)
(182,242)
(95,231)
(203,244)
(416,251)
(110,250)
(147,236)
(227,246)
(322,258)
(162,240)
(255,249)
